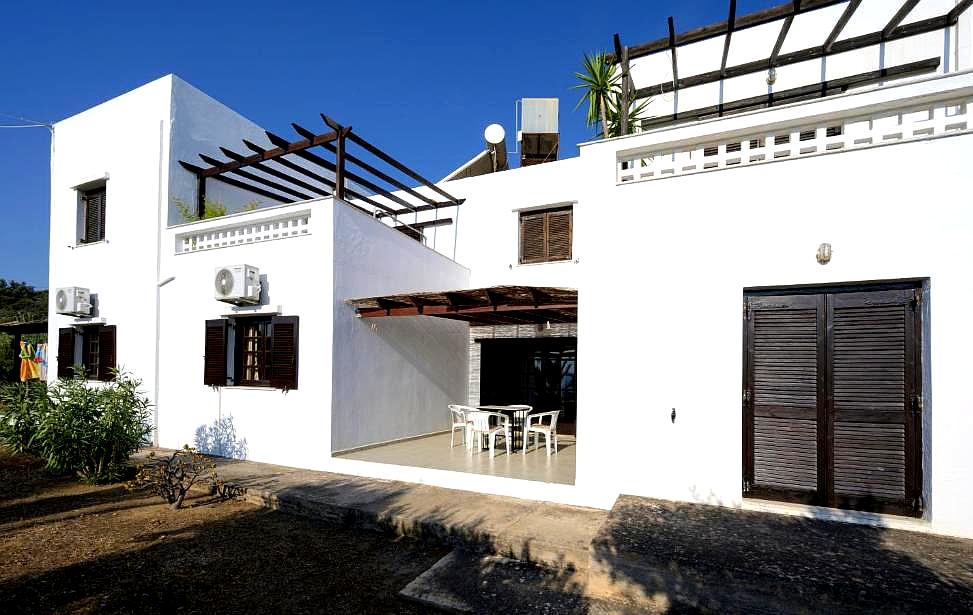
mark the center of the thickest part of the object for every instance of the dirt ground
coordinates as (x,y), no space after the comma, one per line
(72,548)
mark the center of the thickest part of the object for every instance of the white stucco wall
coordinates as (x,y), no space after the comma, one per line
(807,30)
(125,139)
(663,329)
(393,377)
(488,232)
(201,125)
(291,428)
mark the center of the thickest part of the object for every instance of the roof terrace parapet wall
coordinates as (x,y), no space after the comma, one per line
(935,107)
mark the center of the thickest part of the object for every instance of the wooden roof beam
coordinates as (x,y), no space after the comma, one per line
(434,310)
(900,15)
(811,53)
(742,22)
(310,157)
(672,50)
(295,167)
(730,24)
(374,171)
(358,179)
(258,179)
(814,90)
(840,25)
(236,184)
(284,148)
(278,174)
(784,29)
(953,16)
(389,160)
(627,88)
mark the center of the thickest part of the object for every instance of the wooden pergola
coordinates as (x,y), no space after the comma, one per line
(322,165)
(785,13)
(496,305)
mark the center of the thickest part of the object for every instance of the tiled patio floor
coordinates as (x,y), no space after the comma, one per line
(435,452)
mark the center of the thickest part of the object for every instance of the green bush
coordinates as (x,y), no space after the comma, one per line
(22,405)
(93,430)
(7,362)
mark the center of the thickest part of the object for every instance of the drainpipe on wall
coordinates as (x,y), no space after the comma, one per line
(158,286)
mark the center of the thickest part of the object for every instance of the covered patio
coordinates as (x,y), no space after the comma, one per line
(530,335)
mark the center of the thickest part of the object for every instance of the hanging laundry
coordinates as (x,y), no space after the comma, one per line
(40,358)
(26,361)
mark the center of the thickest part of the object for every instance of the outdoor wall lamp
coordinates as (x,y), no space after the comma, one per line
(824,253)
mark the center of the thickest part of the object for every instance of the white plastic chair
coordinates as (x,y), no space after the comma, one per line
(548,430)
(480,426)
(458,420)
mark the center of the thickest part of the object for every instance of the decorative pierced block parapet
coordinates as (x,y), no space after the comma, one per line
(831,136)
(246,230)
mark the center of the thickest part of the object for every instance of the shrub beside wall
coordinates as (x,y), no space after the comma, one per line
(76,427)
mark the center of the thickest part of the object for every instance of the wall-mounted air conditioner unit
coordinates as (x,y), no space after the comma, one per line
(73,301)
(238,284)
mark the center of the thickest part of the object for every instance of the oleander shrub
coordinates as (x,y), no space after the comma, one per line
(22,405)
(93,429)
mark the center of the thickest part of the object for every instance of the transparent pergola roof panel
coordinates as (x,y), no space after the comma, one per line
(812,28)
(753,43)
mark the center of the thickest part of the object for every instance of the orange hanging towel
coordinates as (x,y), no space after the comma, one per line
(26,357)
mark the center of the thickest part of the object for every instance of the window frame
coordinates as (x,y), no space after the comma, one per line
(547,213)
(264,354)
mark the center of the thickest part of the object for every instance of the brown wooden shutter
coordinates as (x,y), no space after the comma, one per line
(214,369)
(65,352)
(94,221)
(283,362)
(874,375)
(559,235)
(106,353)
(782,391)
(855,355)
(532,238)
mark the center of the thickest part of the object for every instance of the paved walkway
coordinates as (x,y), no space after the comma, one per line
(653,555)
(544,533)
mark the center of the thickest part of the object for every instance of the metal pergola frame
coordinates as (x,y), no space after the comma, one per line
(893,30)
(342,175)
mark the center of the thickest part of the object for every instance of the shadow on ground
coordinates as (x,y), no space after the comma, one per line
(680,557)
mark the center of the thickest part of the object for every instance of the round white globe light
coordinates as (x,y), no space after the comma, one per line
(494,134)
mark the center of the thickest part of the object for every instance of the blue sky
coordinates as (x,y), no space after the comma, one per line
(420,79)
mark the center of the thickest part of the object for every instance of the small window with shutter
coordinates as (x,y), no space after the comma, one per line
(251,351)
(91,347)
(546,235)
(91,214)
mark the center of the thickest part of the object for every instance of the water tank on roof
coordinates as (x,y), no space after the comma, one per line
(538,134)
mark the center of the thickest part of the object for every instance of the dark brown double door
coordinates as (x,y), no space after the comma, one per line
(832,400)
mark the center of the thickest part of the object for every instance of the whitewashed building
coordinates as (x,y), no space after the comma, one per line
(766,288)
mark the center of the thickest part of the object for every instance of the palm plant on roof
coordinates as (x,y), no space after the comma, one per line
(636,112)
(602,84)
(598,80)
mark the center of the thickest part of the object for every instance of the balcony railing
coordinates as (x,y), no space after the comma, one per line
(854,132)
(245,231)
